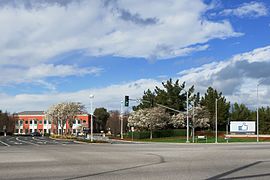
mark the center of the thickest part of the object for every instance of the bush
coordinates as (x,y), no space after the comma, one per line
(157,133)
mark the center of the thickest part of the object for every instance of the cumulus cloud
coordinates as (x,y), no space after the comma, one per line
(39,73)
(252,9)
(109,97)
(237,77)
(35,31)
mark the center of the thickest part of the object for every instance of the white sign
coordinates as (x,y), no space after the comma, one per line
(132,129)
(242,126)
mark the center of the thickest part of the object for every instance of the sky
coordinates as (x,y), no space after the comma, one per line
(55,51)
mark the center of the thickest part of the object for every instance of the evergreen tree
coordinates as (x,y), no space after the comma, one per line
(209,100)
(240,112)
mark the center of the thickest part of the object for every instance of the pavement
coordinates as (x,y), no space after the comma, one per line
(32,158)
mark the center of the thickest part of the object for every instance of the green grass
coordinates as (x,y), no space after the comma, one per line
(182,139)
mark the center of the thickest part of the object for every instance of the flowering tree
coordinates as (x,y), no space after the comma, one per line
(200,119)
(62,112)
(149,119)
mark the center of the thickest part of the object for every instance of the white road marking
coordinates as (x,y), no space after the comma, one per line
(4,143)
(26,141)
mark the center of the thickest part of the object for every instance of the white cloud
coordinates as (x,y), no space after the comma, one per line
(237,77)
(34,33)
(38,73)
(251,9)
(108,97)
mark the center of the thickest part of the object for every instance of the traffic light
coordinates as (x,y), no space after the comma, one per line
(126,101)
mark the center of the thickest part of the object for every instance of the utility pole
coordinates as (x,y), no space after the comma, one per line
(121,120)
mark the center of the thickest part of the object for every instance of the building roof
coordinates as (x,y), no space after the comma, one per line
(31,113)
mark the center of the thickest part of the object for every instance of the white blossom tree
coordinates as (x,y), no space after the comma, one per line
(64,112)
(200,118)
(149,119)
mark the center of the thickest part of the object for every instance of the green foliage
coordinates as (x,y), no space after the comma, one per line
(157,133)
(264,120)
(209,100)
(240,112)
(147,97)
(102,116)
(172,95)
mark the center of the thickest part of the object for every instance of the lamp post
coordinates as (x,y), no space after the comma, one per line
(91,113)
(121,120)
(258,108)
(187,118)
(216,104)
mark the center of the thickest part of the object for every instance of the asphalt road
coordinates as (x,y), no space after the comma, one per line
(133,161)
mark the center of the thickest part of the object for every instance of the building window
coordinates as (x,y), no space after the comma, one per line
(45,121)
(79,121)
(21,131)
(35,130)
(35,121)
(84,121)
(50,122)
(74,121)
(26,131)
(31,130)
(26,122)
(31,122)
(45,130)
(40,130)
(74,131)
(40,122)
(17,130)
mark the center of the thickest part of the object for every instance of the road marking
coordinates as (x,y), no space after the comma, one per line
(4,143)
(26,141)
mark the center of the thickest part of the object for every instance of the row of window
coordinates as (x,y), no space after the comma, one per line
(26,131)
(45,122)
(33,121)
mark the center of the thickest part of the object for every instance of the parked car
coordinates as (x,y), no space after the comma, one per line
(35,134)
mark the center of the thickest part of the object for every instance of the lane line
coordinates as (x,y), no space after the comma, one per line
(4,143)
(26,141)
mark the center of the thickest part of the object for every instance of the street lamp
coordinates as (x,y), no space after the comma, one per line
(258,109)
(187,119)
(91,113)
(216,104)
(121,119)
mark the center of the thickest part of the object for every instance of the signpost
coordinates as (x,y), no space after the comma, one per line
(4,128)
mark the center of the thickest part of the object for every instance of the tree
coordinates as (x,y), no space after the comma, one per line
(148,119)
(200,118)
(172,94)
(209,100)
(64,112)
(101,117)
(7,121)
(240,112)
(147,97)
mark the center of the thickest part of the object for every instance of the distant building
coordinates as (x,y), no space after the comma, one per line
(35,121)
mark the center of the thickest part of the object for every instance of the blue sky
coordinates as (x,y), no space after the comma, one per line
(54,51)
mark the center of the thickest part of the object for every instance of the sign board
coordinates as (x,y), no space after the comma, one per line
(132,129)
(242,127)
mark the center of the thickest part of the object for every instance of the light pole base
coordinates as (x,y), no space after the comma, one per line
(187,141)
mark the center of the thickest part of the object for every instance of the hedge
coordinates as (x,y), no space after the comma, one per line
(157,133)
